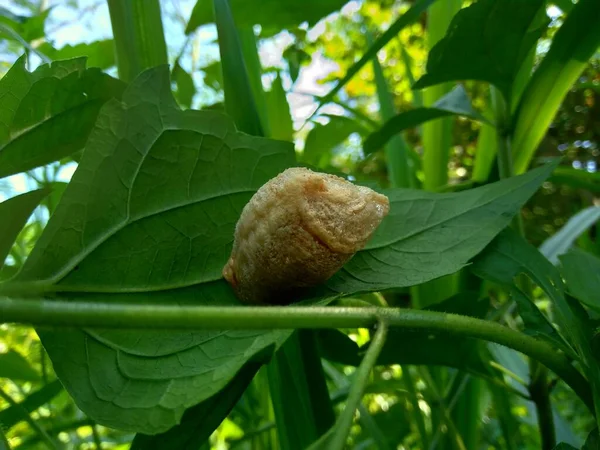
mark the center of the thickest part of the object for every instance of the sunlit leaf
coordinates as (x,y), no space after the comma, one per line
(47,114)
(154,224)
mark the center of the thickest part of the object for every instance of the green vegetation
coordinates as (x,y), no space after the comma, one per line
(469,321)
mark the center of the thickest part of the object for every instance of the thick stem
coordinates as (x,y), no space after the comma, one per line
(129,316)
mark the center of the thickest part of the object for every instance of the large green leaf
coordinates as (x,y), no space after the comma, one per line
(14,213)
(582,274)
(456,102)
(48,114)
(270,14)
(573,45)
(149,217)
(14,366)
(479,45)
(428,235)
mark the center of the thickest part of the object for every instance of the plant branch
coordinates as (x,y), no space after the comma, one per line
(135,316)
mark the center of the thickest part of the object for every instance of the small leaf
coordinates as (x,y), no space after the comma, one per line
(12,415)
(270,14)
(14,213)
(563,239)
(16,367)
(456,102)
(99,54)
(582,274)
(324,138)
(428,235)
(278,112)
(479,47)
(47,114)
(185,86)
(28,28)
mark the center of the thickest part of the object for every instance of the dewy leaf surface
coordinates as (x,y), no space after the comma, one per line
(47,114)
(149,218)
(428,235)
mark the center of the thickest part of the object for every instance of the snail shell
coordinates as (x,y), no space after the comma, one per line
(297,231)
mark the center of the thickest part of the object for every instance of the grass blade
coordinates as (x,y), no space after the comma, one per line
(396,150)
(573,45)
(239,98)
(563,239)
(138,36)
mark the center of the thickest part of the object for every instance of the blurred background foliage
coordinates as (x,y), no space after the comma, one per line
(300,64)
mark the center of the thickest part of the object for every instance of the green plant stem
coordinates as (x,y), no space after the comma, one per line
(135,316)
(540,395)
(344,423)
(51,443)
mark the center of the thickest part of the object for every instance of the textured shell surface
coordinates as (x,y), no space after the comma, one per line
(297,231)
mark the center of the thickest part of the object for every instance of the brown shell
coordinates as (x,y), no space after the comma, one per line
(297,231)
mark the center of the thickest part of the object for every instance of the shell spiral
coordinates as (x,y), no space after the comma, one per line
(297,231)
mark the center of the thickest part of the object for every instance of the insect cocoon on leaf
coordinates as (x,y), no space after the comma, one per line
(297,231)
